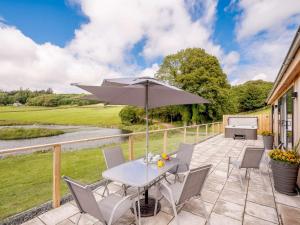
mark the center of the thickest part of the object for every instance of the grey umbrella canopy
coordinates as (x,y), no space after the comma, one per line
(144,92)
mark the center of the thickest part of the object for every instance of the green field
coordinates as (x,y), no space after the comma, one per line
(265,110)
(99,115)
(26,180)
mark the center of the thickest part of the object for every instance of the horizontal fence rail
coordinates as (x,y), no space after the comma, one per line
(216,128)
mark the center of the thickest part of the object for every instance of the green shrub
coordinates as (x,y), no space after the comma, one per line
(131,115)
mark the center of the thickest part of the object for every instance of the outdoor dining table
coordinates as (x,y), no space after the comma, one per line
(139,174)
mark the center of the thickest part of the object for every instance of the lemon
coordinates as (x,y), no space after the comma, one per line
(160,163)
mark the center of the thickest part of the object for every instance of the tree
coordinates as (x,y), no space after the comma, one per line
(197,72)
(252,94)
(131,115)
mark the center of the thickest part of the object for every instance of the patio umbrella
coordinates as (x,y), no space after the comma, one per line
(144,92)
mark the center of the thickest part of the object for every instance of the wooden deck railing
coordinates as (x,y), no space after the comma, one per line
(216,128)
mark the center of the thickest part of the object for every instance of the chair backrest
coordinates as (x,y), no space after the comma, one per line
(252,157)
(193,183)
(84,198)
(184,155)
(113,156)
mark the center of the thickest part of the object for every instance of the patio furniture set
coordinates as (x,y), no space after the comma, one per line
(137,177)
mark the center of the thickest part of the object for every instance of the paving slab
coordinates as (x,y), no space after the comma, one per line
(83,219)
(217,219)
(35,221)
(262,212)
(187,218)
(251,220)
(195,206)
(57,215)
(160,219)
(289,215)
(293,201)
(233,196)
(261,198)
(229,209)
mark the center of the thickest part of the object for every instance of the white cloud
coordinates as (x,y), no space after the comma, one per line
(264,31)
(261,15)
(260,76)
(101,47)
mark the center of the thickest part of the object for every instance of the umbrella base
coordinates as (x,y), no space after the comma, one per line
(147,209)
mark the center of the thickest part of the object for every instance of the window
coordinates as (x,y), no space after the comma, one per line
(285,119)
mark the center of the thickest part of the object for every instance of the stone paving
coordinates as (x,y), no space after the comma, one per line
(227,202)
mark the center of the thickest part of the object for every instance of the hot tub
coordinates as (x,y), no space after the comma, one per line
(242,127)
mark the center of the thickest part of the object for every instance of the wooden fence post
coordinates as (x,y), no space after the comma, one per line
(197,134)
(206,130)
(56,176)
(165,141)
(130,147)
(184,135)
(213,128)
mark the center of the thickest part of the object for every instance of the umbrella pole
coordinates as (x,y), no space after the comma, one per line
(147,121)
(147,133)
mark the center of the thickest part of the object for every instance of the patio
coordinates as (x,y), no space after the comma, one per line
(226,201)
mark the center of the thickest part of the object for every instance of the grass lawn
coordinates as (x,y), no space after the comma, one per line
(26,133)
(264,110)
(26,180)
(99,115)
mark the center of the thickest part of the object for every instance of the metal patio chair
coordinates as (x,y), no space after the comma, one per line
(251,160)
(184,155)
(113,156)
(107,210)
(178,194)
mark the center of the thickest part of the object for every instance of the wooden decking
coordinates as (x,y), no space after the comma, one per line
(227,202)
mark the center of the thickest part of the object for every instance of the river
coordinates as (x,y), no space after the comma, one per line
(71,133)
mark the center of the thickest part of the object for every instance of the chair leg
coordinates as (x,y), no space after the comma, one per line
(124,189)
(77,222)
(156,199)
(228,167)
(205,211)
(139,207)
(241,179)
(135,213)
(175,213)
(105,189)
(176,178)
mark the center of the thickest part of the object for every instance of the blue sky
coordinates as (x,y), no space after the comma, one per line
(91,40)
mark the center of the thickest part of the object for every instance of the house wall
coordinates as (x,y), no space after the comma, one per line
(296,115)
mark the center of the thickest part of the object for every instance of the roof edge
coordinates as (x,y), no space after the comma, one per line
(287,60)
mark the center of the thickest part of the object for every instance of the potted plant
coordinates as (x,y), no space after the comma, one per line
(268,138)
(285,165)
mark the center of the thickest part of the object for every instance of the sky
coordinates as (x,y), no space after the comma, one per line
(53,43)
